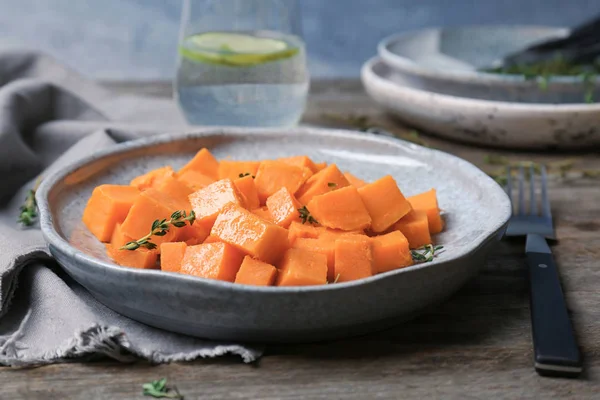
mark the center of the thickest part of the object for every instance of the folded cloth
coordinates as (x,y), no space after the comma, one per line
(49,117)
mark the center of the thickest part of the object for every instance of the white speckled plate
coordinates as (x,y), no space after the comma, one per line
(446,60)
(476,213)
(492,123)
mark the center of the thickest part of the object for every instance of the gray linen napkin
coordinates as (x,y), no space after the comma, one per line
(49,117)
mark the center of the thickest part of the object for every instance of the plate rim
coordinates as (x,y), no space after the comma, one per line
(54,239)
(402,63)
(368,74)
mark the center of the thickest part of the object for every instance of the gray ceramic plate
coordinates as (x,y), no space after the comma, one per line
(446,60)
(476,212)
(491,123)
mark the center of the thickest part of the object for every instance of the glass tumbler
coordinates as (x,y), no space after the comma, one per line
(241,63)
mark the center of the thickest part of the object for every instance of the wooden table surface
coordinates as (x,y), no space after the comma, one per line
(475,346)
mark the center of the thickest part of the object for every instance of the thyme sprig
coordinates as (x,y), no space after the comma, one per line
(426,253)
(159,389)
(29,210)
(306,217)
(160,228)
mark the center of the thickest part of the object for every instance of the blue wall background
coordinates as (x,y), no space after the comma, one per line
(136,39)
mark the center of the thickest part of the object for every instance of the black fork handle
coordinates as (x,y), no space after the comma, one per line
(554,343)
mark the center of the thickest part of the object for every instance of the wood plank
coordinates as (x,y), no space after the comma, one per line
(476,345)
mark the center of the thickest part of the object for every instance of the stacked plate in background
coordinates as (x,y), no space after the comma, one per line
(431,79)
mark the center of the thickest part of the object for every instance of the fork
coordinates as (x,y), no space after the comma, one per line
(555,347)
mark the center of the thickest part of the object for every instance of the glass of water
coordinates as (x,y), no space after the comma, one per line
(241,63)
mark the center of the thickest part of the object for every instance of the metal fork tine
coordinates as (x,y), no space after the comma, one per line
(545,200)
(521,191)
(509,185)
(532,200)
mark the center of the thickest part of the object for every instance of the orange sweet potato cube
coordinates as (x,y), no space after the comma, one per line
(176,189)
(247,189)
(415,227)
(212,261)
(428,202)
(354,181)
(385,202)
(283,207)
(264,213)
(324,246)
(299,230)
(273,175)
(171,256)
(152,205)
(251,234)
(208,202)
(300,161)
(340,209)
(140,258)
(194,234)
(211,239)
(107,207)
(256,272)
(390,251)
(194,179)
(321,166)
(119,238)
(237,169)
(148,180)
(324,181)
(203,162)
(300,267)
(353,258)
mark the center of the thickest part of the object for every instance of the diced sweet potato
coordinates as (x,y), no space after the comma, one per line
(273,175)
(299,230)
(108,207)
(194,179)
(340,209)
(416,229)
(390,251)
(354,181)
(428,202)
(264,213)
(203,162)
(151,178)
(250,233)
(212,260)
(247,189)
(208,202)
(211,239)
(300,161)
(140,258)
(336,233)
(151,205)
(176,189)
(321,166)
(256,272)
(194,234)
(385,203)
(283,207)
(171,256)
(353,258)
(237,169)
(324,181)
(300,267)
(119,238)
(325,246)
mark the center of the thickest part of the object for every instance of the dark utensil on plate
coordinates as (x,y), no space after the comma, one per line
(555,347)
(580,46)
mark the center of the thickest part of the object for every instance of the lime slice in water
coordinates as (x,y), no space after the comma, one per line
(234,49)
